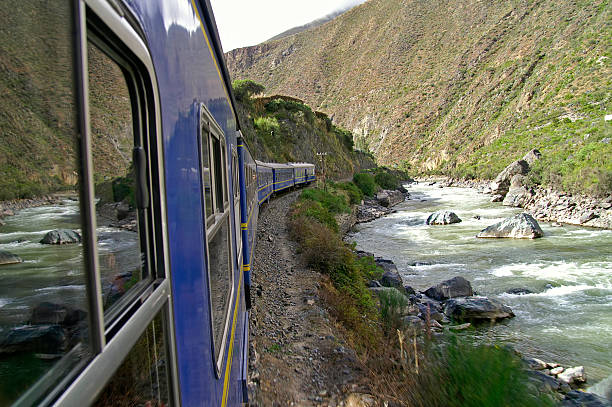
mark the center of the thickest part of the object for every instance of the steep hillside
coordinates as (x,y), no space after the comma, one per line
(284,129)
(459,87)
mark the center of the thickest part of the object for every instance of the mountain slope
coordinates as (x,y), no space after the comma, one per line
(460,87)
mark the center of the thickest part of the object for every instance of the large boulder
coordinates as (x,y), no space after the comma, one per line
(501,183)
(520,226)
(61,236)
(442,218)
(9,258)
(573,375)
(389,198)
(532,156)
(455,287)
(476,309)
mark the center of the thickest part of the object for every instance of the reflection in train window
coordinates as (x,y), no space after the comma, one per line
(121,258)
(142,379)
(43,301)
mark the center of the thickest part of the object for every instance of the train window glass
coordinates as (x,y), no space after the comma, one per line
(235,175)
(205,149)
(142,379)
(43,300)
(220,281)
(121,257)
(224,173)
(218,175)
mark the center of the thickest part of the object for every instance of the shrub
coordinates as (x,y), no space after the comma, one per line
(245,88)
(386,180)
(461,374)
(392,302)
(365,182)
(354,193)
(333,203)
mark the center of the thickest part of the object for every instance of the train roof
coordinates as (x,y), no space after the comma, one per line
(279,166)
(301,165)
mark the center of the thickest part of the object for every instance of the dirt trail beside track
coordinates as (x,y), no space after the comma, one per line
(297,356)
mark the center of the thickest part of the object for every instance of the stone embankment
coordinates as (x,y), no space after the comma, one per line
(512,188)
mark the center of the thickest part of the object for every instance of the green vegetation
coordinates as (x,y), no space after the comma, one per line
(312,224)
(457,373)
(245,88)
(392,302)
(366,183)
(410,370)
(285,129)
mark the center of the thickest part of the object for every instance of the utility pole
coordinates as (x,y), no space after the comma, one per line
(323,172)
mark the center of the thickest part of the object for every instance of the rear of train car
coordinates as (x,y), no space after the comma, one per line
(150,308)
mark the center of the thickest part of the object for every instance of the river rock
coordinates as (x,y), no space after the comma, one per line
(61,236)
(555,371)
(9,258)
(413,321)
(519,291)
(501,183)
(391,279)
(582,399)
(518,195)
(47,339)
(455,287)
(573,375)
(442,218)
(388,198)
(521,226)
(476,308)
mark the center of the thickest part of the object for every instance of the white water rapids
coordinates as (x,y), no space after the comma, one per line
(568,317)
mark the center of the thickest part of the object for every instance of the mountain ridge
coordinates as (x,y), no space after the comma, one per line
(458,87)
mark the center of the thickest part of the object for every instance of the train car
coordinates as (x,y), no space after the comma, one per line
(249,211)
(150,308)
(283,176)
(265,181)
(304,173)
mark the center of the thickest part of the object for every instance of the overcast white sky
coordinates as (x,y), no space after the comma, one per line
(248,22)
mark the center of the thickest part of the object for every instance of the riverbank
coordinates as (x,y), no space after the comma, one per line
(9,208)
(558,286)
(544,204)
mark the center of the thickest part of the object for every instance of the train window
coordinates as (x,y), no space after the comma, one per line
(205,146)
(235,175)
(121,257)
(44,327)
(142,379)
(220,269)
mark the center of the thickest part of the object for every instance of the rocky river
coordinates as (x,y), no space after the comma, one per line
(558,286)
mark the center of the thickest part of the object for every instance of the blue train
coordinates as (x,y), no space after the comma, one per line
(151,308)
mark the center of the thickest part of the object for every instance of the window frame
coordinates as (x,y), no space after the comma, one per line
(112,342)
(213,224)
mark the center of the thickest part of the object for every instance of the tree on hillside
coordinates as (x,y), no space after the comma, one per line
(245,88)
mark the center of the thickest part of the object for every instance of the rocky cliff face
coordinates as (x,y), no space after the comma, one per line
(456,86)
